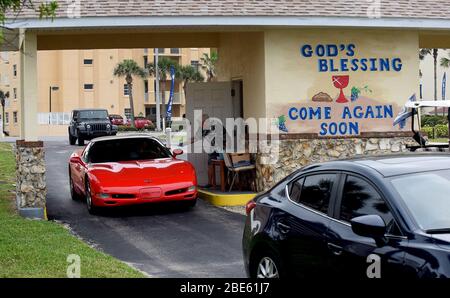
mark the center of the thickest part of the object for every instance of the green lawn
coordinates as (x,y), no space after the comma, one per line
(438,140)
(30,248)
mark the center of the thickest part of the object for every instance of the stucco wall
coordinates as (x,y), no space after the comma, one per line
(292,79)
(241,56)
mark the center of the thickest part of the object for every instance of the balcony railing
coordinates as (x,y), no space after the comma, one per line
(62,118)
(150,98)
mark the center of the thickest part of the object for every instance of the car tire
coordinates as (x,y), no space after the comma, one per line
(190,204)
(73,193)
(266,264)
(72,140)
(92,209)
(80,141)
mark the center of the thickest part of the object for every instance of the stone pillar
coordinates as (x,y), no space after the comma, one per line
(31,190)
(288,155)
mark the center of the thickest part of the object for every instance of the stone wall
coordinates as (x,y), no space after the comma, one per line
(275,164)
(31,188)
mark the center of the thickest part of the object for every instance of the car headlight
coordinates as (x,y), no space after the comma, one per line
(108,126)
(192,188)
(103,196)
(88,126)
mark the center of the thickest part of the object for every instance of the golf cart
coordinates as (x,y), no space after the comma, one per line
(412,109)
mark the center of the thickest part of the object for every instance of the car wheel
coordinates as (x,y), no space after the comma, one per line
(266,265)
(72,140)
(191,203)
(80,141)
(73,193)
(90,205)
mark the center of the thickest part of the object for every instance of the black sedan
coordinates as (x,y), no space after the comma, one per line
(365,218)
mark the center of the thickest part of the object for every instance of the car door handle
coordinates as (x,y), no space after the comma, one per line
(335,249)
(284,229)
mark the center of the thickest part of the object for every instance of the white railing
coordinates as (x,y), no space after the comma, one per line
(150,97)
(62,118)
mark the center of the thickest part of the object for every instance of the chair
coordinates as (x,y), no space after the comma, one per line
(237,163)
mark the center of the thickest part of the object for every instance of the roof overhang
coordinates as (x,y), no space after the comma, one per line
(230,21)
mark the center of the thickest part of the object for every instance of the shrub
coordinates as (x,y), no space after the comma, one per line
(441,130)
(433,120)
(429,131)
(127,128)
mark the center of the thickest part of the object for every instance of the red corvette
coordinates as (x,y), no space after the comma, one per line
(127,170)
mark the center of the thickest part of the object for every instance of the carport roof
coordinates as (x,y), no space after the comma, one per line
(300,8)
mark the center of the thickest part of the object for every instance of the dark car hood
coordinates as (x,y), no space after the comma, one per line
(91,121)
(442,240)
(153,172)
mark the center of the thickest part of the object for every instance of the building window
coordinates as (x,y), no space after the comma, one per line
(5,80)
(88,61)
(126,91)
(5,57)
(161,50)
(127,113)
(88,86)
(145,61)
(15,93)
(175,51)
(15,70)
(6,118)
(195,64)
(146,86)
(15,117)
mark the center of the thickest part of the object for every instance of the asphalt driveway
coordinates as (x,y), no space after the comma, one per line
(161,240)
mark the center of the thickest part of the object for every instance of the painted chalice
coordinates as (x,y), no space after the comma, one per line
(341,82)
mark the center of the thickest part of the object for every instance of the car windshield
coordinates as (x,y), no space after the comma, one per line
(94,114)
(427,196)
(127,150)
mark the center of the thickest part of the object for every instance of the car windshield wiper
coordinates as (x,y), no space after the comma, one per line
(438,231)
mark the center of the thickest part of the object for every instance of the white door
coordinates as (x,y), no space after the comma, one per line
(214,99)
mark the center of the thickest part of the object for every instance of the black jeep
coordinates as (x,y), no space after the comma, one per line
(86,124)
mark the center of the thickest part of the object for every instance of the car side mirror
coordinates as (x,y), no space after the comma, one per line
(177,152)
(75,159)
(372,226)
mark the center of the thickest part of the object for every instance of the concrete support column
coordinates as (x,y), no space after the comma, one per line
(31,190)
(29,90)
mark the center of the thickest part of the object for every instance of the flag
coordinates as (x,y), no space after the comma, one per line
(172,87)
(404,114)
(444,82)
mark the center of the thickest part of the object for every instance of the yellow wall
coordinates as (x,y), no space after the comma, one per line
(241,56)
(292,80)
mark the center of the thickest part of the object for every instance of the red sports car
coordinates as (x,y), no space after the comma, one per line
(140,122)
(116,119)
(127,170)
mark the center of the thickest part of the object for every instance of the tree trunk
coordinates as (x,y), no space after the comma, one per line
(130,96)
(435,55)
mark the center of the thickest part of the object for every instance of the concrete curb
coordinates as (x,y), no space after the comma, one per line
(226,199)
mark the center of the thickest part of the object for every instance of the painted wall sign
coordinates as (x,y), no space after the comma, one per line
(342,58)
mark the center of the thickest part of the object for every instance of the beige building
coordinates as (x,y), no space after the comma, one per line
(69,79)
(427,78)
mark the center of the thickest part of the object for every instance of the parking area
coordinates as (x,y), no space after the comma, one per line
(161,240)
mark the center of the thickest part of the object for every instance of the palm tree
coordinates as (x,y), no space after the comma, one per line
(129,68)
(422,54)
(187,73)
(208,64)
(164,65)
(3,97)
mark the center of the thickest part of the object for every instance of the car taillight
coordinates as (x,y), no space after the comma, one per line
(249,207)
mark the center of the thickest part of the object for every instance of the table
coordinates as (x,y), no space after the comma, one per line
(223,181)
